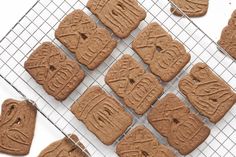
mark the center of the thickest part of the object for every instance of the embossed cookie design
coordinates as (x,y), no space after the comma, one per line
(64,148)
(138,89)
(228,37)
(58,75)
(91,44)
(209,94)
(121,16)
(166,57)
(192,8)
(102,114)
(183,129)
(141,142)
(17,124)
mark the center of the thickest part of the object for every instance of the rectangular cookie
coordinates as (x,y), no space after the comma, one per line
(91,44)
(121,16)
(140,142)
(183,129)
(58,75)
(209,94)
(227,40)
(102,114)
(192,8)
(138,89)
(17,125)
(64,148)
(166,57)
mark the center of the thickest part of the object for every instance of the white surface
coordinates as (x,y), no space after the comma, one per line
(216,18)
(45,132)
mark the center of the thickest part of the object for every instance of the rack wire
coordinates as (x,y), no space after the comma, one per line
(38,25)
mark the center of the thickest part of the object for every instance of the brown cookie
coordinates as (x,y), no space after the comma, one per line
(183,129)
(192,8)
(209,94)
(58,75)
(166,57)
(121,16)
(102,114)
(91,44)
(228,37)
(138,89)
(64,148)
(141,142)
(17,124)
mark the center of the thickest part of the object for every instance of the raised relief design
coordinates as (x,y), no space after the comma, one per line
(58,75)
(64,148)
(183,129)
(121,16)
(17,124)
(192,8)
(129,81)
(228,37)
(102,114)
(91,45)
(140,142)
(166,57)
(209,94)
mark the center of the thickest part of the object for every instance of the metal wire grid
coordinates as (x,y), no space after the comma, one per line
(39,24)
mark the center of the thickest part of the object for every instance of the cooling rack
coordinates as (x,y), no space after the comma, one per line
(39,24)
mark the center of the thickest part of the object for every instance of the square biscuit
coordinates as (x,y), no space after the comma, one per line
(141,142)
(91,44)
(17,126)
(138,89)
(166,57)
(183,129)
(121,16)
(209,94)
(58,75)
(102,114)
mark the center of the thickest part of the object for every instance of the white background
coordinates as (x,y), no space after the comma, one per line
(12,10)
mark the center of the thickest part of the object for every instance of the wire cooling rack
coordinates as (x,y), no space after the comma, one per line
(39,24)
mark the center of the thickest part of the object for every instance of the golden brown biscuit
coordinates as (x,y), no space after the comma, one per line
(102,114)
(209,94)
(138,89)
(183,129)
(17,125)
(58,75)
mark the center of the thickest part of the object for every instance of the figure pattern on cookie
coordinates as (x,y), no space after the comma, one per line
(166,57)
(17,125)
(91,44)
(209,94)
(139,89)
(183,129)
(58,75)
(102,114)
(121,16)
(141,142)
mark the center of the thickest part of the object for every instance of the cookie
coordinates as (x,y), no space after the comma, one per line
(64,147)
(228,37)
(102,114)
(166,57)
(17,125)
(138,89)
(183,129)
(121,16)
(192,8)
(91,44)
(141,142)
(208,93)
(58,75)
